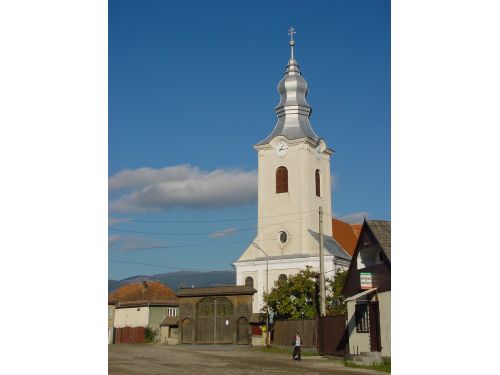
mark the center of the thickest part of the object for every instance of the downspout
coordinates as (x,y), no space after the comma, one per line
(149,314)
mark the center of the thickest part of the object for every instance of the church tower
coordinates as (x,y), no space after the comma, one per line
(293,183)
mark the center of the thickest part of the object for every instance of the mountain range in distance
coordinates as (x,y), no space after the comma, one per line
(176,280)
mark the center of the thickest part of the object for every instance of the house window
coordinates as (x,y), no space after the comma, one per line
(171,312)
(281,180)
(249,281)
(318,185)
(362,318)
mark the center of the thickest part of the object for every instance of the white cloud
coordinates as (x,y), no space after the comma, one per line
(117,220)
(112,239)
(354,217)
(122,244)
(148,189)
(224,233)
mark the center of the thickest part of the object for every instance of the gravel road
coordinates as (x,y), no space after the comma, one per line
(216,359)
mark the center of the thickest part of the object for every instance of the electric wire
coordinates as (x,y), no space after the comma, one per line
(185,269)
(161,266)
(200,233)
(117,219)
(206,233)
(128,249)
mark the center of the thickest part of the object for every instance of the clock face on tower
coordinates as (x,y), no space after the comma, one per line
(280,149)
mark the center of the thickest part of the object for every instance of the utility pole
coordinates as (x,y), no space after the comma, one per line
(268,338)
(321,266)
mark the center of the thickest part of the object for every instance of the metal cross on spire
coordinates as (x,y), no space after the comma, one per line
(291,31)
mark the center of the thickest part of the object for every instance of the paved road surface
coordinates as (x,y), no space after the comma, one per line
(207,359)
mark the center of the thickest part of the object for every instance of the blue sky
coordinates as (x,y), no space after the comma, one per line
(192,86)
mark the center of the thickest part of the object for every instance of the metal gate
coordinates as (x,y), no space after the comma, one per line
(214,321)
(332,335)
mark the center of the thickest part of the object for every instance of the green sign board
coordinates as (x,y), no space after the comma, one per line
(366,280)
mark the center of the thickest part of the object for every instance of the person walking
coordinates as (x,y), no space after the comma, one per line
(296,347)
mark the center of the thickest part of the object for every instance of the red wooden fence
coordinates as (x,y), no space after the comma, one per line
(129,335)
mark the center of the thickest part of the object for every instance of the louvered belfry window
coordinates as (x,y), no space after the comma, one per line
(281,180)
(318,186)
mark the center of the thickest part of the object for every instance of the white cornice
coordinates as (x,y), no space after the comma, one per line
(306,140)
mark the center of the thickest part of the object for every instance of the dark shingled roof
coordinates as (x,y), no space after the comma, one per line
(172,303)
(382,231)
(216,291)
(170,321)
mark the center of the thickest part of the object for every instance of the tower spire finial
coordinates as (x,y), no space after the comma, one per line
(291,31)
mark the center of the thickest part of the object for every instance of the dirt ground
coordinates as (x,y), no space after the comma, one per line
(211,359)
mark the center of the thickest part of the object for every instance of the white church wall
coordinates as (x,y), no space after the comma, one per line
(292,144)
(297,210)
(257,269)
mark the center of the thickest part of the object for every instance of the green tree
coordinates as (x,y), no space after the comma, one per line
(297,296)
(294,297)
(335,299)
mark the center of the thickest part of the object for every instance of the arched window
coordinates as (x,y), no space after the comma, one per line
(249,281)
(318,180)
(281,180)
(282,277)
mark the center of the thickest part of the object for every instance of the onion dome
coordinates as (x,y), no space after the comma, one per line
(293,110)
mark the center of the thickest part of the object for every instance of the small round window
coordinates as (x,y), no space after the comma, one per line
(283,237)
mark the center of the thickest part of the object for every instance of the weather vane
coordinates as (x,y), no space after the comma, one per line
(291,31)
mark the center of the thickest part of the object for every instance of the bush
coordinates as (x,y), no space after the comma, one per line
(150,334)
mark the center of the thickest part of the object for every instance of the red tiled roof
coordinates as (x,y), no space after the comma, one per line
(346,234)
(356,228)
(145,291)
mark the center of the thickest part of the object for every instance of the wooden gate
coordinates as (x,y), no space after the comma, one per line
(129,335)
(332,335)
(214,321)
(243,331)
(187,331)
(285,331)
(374,318)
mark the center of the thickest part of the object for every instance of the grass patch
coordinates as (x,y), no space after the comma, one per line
(284,350)
(385,366)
